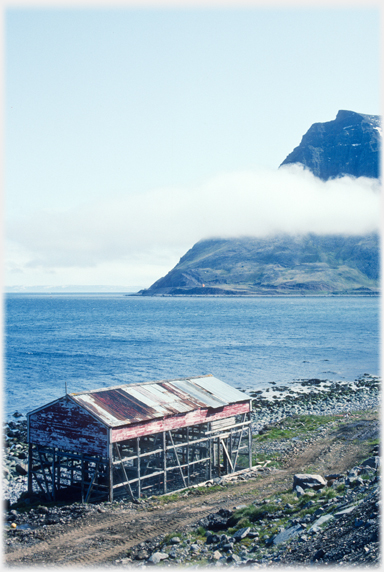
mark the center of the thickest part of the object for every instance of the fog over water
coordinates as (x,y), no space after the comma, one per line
(150,231)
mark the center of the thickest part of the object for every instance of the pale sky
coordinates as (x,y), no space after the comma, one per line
(131,133)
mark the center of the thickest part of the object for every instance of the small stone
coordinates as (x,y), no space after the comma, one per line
(213,538)
(253,534)
(318,555)
(242,533)
(216,555)
(21,468)
(233,558)
(157,557)
(175,540)
(141,555)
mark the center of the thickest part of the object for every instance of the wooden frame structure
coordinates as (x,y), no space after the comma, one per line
(73,452)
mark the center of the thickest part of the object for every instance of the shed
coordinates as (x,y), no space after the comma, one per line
(138,439)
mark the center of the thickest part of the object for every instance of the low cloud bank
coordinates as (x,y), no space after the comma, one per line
(160,224)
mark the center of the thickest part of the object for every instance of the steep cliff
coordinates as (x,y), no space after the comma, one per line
(348,145)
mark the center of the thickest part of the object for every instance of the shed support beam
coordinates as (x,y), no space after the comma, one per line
(165,461)
(138,468)
(188,468)
(250,441)
(110,472)
(30,463)
(53,475)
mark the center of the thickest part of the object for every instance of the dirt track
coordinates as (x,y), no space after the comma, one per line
(102,538)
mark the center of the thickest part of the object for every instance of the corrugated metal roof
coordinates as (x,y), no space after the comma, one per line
(129,404)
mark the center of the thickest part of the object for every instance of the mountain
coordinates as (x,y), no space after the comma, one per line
(294,265)
(283,264)
(348,145)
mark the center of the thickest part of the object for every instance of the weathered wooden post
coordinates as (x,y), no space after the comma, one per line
(110,472)
(138,468)
(30,464)
(165,461)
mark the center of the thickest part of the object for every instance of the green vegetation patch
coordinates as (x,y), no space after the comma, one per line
(296,426)
(251,514)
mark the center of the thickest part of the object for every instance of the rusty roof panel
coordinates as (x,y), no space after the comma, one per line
(200,394)
(129,404)
(218,387)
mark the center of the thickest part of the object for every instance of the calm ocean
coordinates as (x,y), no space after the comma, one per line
(100,340)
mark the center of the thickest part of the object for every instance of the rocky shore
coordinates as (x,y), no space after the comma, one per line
(312,396)
(331,519)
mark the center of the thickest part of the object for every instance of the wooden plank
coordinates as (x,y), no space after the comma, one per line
(178,421)
(245,423)
(221,424)
(227,454)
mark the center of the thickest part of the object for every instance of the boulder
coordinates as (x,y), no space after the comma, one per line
(318,555)
(216,521)
(373,462)
(233,558)
(304,481)
(213,538)
(242,533)
(157,557)
(22,469)
(287,534)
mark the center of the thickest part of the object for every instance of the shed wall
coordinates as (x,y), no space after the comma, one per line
(65,425)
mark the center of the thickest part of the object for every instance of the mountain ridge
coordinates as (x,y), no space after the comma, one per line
(284,264)
(347,145)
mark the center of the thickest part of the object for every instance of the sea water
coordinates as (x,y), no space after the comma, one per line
(102,340)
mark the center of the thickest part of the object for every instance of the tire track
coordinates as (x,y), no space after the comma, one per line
(80,546)
(71,547)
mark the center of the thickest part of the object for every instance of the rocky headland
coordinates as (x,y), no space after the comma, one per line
(283,265)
